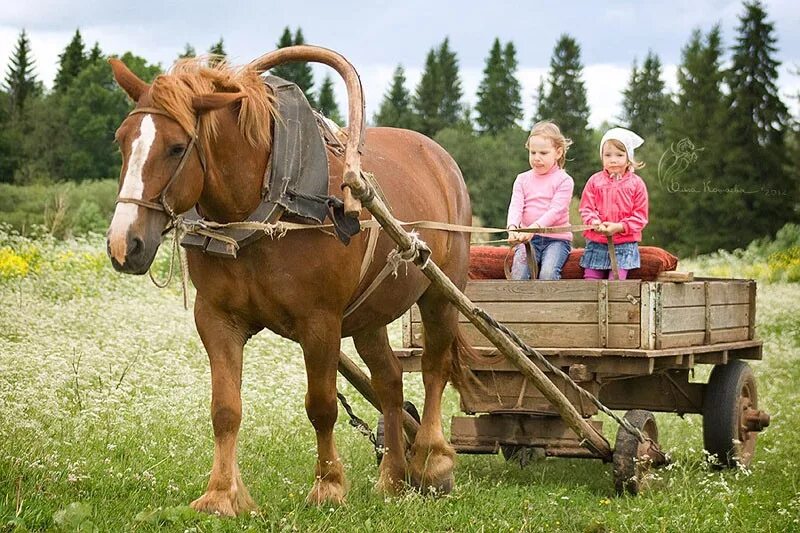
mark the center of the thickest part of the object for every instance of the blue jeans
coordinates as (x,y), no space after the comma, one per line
(551,254)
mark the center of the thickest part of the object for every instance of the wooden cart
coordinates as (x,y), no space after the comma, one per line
(633,344)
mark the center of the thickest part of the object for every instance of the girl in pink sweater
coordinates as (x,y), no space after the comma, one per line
(614,201)
(540,200)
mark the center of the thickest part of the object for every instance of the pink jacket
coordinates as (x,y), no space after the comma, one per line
(622,200)
(542,199)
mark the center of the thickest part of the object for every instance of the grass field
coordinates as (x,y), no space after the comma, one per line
(104,426)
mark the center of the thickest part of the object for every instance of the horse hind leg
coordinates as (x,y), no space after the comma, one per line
(432,457)
(387,379)
(225,494)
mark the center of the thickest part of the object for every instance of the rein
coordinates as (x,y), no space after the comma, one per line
(162,205)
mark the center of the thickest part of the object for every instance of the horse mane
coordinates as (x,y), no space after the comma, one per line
(199,75)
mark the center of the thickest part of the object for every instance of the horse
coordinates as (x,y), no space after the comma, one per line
(299,285)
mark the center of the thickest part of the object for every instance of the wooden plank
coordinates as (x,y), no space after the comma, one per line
(751,301)
(707,313)
(492,391)
(677,319)
(552,335)
(667,391)
(647,318)
(602,312)
(676,277)
(693,294)
(749,349)
(553,312)
(405,325)
(693,338)
(564,290)
(658,312)
(522,429)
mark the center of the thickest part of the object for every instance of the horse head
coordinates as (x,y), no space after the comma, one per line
(163,163)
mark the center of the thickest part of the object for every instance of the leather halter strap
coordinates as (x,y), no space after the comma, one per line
(161,203)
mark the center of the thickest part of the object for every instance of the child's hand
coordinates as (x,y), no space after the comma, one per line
(610,228)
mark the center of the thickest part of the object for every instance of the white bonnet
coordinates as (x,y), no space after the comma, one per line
(626,137)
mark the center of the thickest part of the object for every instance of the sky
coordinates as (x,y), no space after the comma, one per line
(377,36)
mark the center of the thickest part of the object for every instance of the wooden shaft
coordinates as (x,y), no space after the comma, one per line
(568,412)
(363,385)
(352,205)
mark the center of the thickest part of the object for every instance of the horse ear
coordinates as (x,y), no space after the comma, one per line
(214,101)
(129,82)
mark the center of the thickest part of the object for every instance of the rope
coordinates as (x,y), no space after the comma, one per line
(177,234)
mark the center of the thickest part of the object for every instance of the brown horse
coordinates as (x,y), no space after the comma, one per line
(299,285)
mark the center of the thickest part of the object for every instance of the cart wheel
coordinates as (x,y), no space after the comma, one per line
(380,439)
(633,459)
(524,455)
(731,419)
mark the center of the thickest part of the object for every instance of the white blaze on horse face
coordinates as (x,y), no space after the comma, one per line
(132,187)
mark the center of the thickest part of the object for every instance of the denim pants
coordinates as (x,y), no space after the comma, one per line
(551,254)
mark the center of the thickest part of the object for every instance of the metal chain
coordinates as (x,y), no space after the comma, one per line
(530,352)
(356,422)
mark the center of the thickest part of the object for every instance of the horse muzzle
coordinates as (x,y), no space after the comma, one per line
(134,256)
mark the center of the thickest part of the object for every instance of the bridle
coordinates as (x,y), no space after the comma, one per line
(161,204)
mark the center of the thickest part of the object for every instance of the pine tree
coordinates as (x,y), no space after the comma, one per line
(304,77)
(493,113)
(327,101)
(684,221)
(513,87)
(296,72)
(188,52)
(286,70)
(645,104)
(71,62)
(564,102)
(95,54)
(217,52)
(450,106)
(428,96)
(20,79)
(757,121)
(395,109)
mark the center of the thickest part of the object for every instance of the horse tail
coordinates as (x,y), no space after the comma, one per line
(463,352)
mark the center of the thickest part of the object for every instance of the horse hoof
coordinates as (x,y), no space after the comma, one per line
(224,503)
(434,474)
(326,493)
(390,485)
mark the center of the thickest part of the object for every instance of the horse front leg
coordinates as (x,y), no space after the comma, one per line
(320,339)
(226,494)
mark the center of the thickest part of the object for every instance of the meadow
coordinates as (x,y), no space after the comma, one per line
(104,422)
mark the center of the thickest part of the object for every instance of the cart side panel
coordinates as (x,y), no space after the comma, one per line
(557,314)
(705,312)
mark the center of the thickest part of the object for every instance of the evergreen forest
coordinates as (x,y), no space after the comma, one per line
(722,151)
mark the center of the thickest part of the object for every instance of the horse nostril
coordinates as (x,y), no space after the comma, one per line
(137,246)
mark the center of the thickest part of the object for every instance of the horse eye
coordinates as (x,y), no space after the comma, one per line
(177,150)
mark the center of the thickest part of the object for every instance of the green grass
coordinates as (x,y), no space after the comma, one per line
(104,425)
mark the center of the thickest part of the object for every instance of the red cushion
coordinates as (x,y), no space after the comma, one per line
(486,262)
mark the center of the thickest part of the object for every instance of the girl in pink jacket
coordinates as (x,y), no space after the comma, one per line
(614,201)
(540,200)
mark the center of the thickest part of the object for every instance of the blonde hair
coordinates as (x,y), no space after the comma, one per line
(633,164)
(550,130)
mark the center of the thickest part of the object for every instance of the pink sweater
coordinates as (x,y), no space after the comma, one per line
(622,200)
(542,199)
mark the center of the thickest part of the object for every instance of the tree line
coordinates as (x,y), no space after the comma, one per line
(722,151)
